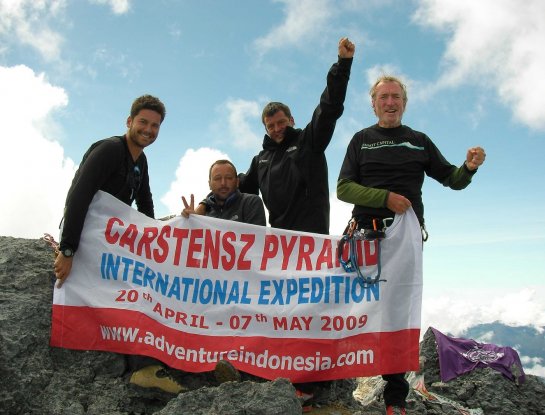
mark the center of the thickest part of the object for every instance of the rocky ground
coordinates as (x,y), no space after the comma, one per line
(39,379)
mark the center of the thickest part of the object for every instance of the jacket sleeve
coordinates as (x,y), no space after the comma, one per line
(319,131)
(248,182)
(460,178)
(351,192)
(91,175)
(457,178)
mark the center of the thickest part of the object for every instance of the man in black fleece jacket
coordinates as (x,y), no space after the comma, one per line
(116,165)
(291,170)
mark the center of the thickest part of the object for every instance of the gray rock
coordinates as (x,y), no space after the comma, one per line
(38,379)
(482,388)
(268,398)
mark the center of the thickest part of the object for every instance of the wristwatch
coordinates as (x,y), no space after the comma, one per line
(67,252)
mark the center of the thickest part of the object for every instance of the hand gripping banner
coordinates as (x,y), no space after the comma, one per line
(275,303)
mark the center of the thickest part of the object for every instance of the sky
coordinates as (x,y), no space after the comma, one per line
(69,71)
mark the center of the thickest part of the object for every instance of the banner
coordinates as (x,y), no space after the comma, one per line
(275,303)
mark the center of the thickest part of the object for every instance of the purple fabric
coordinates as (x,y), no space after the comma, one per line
(458,356)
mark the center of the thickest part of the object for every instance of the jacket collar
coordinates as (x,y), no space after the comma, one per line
(232,198)
(289,138)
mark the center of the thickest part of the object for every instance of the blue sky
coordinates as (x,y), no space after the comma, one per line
(69,71)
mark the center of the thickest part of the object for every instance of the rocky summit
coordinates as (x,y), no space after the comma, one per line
(39,379)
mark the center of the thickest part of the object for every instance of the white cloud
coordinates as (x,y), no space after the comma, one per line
(533,365)
(35,174)
(531,361)
(496,45)
(30,23)
(340,214)
(191,177)
(240,129)
(536,370)
(346,127)
(460,311)
(304,19)
(117,6)
(485,337)
(376,71)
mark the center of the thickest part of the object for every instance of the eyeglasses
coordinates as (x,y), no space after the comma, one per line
(135,180)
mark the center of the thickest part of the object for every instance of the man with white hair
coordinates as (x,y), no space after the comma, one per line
(382,174)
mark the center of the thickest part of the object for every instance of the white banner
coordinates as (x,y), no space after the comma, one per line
(276,303)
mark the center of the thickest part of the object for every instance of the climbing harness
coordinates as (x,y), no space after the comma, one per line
(350,236)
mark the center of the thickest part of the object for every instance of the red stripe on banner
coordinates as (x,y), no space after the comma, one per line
(300,360)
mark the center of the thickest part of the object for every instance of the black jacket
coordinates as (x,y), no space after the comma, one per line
(107,165)
(240,207)
(292,175)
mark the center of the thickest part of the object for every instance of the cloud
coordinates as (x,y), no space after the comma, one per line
(35,174)
(485,337)
(376,71)
(456,313)
(531,361)
(536,370)
(240,129)
(494,44)
(533,365)
(340,214)
(117,6)
(191,177)
(30,23)
(117,62)
(304,19)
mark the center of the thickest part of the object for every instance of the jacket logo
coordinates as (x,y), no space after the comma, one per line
(290,149)
(234,217)
(263,161)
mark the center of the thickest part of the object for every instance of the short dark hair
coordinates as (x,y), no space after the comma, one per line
(221,162)
(272,108)
(148,102)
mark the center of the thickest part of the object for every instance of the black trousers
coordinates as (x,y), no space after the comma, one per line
(396,389)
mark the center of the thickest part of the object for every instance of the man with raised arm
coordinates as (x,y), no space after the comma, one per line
(291,170)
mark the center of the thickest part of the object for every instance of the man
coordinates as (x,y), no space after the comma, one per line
(291,170)
(382,174)
(116,165)
(225,200)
